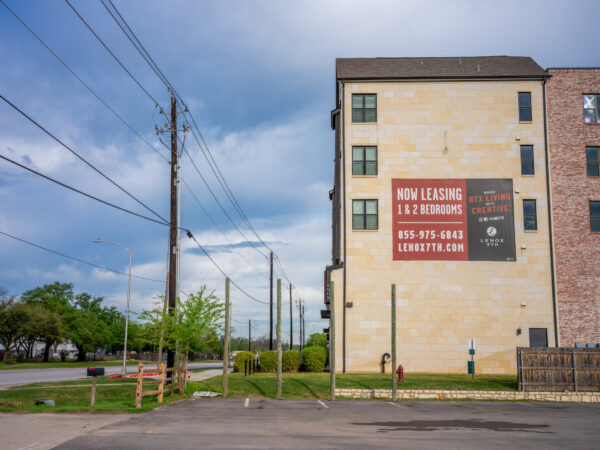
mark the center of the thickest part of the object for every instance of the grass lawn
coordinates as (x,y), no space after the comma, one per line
(59,364)
(112,395)
(316,385)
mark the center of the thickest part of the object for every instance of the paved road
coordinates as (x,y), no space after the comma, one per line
(25,376)
(266,423)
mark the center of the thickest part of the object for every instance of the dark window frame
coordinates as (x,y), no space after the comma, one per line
(534,215)
(594,220)
(593,166)
(525,108)
(365,215)
(595,109)
(363,162)
(538,338)
(532,160)
(363,109)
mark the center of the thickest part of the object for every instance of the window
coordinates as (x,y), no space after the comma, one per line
(595,216)
(527,160)
(538,337)
(529,215)
(591,104)
(364,107)
(364,160)
(524,106)
(591,154)
(364,214)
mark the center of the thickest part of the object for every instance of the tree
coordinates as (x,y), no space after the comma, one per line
(12,317)
(197,320)
(86,331)
(39,324)
(55,298)
(317,340)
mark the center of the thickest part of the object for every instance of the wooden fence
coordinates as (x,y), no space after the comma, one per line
(179,379)
(558,369)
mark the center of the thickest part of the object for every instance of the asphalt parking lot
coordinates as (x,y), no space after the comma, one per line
(268,423)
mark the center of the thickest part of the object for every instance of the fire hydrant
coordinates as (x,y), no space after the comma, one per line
(400,372)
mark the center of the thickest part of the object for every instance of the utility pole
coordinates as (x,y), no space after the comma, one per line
(291,321)
(279,353)
(300,323)
(271,303)
(173,229)
(303,327)
(249,335)
(226,339)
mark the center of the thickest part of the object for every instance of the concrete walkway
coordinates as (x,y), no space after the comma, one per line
(206,374)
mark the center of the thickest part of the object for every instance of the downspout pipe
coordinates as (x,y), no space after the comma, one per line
(343,124)
(548,191)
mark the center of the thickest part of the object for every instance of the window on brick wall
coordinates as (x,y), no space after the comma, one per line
(364,215)
(529,215)
(594,216)
(364,160)
(591,155)
(591,104)
(524,106)
(364,107)
(527,160)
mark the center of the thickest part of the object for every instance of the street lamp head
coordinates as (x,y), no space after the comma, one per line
(97,241)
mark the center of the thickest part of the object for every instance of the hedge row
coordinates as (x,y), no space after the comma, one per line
(313,359)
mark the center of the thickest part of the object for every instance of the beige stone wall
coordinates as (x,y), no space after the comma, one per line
(444,130)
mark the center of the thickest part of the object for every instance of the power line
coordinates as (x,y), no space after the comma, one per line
(78,259)
(81,157)
(94,93)
(220,230)
(112,205)
(191,236)
(111,53)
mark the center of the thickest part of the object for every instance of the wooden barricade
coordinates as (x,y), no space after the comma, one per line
(177,377)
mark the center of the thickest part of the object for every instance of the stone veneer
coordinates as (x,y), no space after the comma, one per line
(421,394)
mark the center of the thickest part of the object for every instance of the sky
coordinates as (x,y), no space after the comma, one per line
(259,79)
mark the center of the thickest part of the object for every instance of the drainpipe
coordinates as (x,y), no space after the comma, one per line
(343,125)
(550,216)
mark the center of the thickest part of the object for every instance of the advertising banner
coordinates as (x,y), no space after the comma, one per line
(453,219)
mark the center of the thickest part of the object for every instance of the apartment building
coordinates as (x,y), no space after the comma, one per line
(441,188)
(573,110)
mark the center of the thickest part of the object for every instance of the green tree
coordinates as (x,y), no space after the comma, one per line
(39,324)
(317,340)
(86,332)
(12,317)
(55,298)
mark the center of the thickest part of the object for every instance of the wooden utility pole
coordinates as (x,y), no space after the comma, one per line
(249,335)
(271,303)
(173,229)
(291,321)
(226,340)
(159,359)
(303,327)
(394,381)
(279,354)
(332,340)
(300,324)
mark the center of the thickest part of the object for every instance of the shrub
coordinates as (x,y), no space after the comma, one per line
(290,361)
(268,361)
(240,359)
(314,358)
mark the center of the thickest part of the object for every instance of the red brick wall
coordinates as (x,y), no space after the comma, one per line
(577,249)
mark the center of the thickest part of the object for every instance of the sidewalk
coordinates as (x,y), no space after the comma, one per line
(200,376)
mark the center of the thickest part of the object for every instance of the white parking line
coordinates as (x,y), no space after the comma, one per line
(246,402)
(322,404)
(397,405)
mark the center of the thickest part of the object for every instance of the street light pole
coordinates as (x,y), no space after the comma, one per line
(99,241)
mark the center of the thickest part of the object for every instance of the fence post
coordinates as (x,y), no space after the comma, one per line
(394,381)
(574,372)
(332,340)
(522,370)
(140,386)
(161,382)
(226,340)
(180,376)
(279,355)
